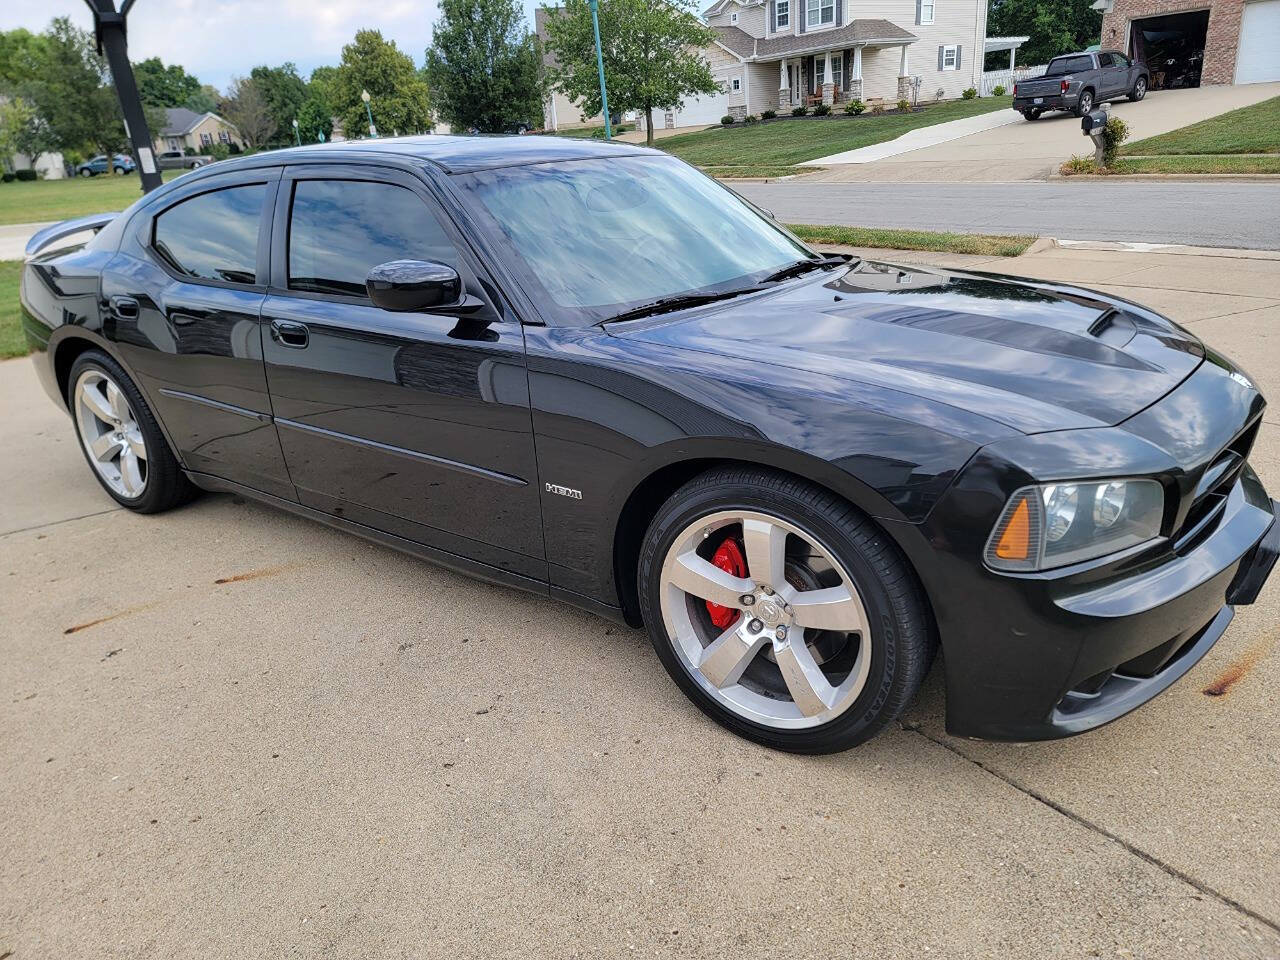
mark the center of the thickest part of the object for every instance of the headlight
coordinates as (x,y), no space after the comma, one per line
(1056,524)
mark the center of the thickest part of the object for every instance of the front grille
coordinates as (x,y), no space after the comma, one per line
(1211,491)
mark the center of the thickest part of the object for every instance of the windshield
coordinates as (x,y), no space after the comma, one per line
(596,238)
(1064,65)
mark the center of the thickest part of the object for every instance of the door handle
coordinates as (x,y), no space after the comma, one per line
(287,333)
(123,308)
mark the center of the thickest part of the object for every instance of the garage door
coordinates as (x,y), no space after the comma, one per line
(701,111)
(1259,58)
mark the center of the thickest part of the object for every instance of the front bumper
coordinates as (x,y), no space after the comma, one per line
(1066,657)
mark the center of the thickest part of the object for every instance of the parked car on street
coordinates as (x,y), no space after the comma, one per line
(1078,81)
(118,164)
(587,370)
(177,160)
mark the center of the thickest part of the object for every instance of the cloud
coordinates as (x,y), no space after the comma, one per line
(219,39)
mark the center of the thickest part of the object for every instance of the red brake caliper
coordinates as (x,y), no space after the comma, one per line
(729,558)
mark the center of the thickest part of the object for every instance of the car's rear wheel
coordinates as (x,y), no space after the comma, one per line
(1139,89)
(120,438)
(118,171)
(1085,104)
(782,611)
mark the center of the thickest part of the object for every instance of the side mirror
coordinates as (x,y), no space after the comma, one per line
(409,285)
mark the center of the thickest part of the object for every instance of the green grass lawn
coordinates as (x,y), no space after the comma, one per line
(977,243)
(38,200)
(12,341)
(1254,129)
(784,142)
(1222,163)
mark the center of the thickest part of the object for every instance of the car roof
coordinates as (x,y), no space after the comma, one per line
(453,154)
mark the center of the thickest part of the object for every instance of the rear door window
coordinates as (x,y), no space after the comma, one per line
(1065,65)
(213,236)
(339,229)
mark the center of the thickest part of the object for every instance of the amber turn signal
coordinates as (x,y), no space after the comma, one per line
(1015,540)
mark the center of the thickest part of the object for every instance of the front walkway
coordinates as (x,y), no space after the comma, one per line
(1019,150)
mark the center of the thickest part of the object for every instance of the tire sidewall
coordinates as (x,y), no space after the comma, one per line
(865,717)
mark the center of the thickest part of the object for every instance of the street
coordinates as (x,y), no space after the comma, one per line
(1241,214)
(233,732)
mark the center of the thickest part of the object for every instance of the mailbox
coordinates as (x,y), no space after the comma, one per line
(1094,121)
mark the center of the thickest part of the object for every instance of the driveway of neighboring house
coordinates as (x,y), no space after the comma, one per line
(1021,150)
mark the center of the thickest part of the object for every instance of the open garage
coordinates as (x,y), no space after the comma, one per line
(1172,46)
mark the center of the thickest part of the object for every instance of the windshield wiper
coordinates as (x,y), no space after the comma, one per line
(679,302)
(804,266)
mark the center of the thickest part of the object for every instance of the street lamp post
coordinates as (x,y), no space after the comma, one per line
(109,30)
(364,95)
(296,135)
(604,96)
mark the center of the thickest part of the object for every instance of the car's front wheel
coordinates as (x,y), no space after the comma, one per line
(782,611)
(120,438)
(86,172)
(1139,89)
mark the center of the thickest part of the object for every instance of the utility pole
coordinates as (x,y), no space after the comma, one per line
(109,31)
(604,96)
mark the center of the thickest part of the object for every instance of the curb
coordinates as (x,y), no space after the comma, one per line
(1171,177)
(1042,244)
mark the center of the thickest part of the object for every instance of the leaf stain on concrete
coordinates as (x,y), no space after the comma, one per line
(1236,670)
(256,574)
(113,616)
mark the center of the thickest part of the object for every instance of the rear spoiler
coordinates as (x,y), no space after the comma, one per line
(67,228)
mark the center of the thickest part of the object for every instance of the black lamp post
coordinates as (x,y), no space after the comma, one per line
(109,31)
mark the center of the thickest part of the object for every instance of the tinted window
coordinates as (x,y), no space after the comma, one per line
(340,228)
(213,236)
(1065,65)
(1104,60)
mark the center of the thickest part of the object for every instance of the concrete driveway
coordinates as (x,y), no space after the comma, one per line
(1032,151)
(229,732)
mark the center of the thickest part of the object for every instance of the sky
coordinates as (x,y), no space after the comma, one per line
(219,39)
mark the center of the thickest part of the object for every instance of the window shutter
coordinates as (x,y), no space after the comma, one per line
(804,14)
(958,49)
(941,54)
(919,12)
(839,12)
(848,65)
(773,15)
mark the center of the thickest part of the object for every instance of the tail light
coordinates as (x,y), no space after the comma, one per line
(1015,89)
(1065,85)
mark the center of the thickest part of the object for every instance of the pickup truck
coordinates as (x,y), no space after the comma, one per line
(1077,82)
(177,160)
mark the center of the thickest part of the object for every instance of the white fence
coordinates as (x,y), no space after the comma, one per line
(1007,78)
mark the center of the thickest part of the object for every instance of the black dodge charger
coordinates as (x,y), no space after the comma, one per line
(587,370)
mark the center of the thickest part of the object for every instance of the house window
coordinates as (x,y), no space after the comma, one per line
(174,144)
(820,70)
(735,84)
(950,58)
(820,12)
(924,11)
(222,137)
(837,70)
(206,140)
(733,18)
(782,15)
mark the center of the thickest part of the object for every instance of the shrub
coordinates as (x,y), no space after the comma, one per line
(1078,164)
(854,107)
(726,120)
(998,90)
(939,94)
(768,114)
(822,109)
(1114,133)
(970,93)
(25,174)
(750,118)
(877,108)
(904,105)
(799,111)
(7,177)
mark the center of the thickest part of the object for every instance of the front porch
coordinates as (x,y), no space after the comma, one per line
(836,76)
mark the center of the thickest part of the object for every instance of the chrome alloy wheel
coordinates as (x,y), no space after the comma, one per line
(799,652)
(110,434)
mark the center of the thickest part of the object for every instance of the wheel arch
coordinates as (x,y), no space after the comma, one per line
(650,491)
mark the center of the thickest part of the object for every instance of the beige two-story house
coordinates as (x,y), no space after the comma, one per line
(187,130)
(779,54)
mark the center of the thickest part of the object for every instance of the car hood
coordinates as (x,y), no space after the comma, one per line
(1033,356)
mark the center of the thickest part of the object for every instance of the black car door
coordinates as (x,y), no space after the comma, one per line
(416,424)
(182,301)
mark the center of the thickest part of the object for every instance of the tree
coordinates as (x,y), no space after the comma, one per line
(398,95)
(484,66)
(315,119)
(22,131)
(284,92)
(1054,26)
(651,55)
(204,100)
(161,86)
(247,108)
